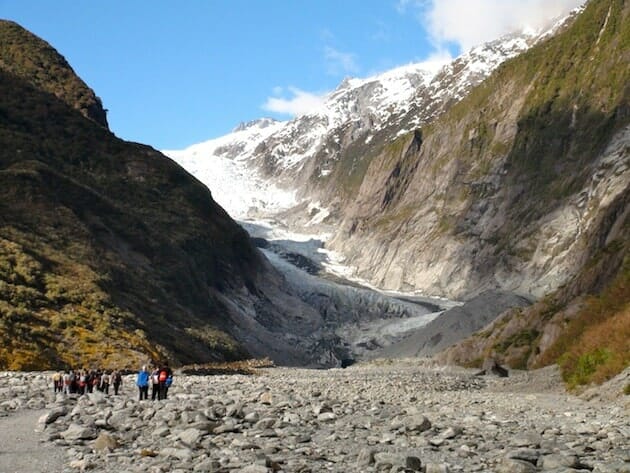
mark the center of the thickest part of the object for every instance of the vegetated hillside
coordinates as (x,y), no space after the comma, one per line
(25,55)
(524,185)
(111,254)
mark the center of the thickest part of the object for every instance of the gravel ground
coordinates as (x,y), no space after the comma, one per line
(386,416)
(22,449)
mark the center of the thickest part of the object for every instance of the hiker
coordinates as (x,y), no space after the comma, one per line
(155,383)
(117,381)
(89,380)
(163,375)
(142,381)
(57,382)
(73,382)
(105,382)
(67,382)
(82,382)
(169,381)
(96,380)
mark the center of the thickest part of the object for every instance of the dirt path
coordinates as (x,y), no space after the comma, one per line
(21,447)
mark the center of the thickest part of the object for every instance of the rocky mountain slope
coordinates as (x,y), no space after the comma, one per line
(524,186)
(110,253)
(506,188)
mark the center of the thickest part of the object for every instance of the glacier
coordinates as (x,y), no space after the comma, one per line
(252,171)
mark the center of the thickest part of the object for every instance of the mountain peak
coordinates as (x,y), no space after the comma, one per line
(29,57)
(260,123)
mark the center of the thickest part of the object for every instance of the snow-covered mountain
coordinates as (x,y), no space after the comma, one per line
(224,165)
(272,160)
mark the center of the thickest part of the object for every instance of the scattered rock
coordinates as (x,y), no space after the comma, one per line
(79,432)
(418,424)
(512,465)
(53,415)
(105,441)
(492,367)
(395,417)
(365,458)
(558,460)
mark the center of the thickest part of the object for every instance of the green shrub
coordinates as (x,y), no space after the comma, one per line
(579,371)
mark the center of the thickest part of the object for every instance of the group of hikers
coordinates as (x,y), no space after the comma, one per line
(160,380)
(87,381)
(84,381)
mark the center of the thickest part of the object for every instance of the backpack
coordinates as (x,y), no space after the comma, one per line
(163,376)
(169,380)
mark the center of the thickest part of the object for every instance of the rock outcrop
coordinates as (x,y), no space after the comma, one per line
(506,189)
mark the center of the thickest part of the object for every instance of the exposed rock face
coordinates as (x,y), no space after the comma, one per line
(507,188)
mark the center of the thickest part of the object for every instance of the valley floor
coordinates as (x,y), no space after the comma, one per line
(22,448)
(382,416)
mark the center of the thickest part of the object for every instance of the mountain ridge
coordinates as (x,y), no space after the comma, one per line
(356,114)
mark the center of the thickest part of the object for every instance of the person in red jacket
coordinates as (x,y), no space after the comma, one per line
(163,375)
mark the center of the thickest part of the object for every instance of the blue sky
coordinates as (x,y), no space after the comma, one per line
(176,73)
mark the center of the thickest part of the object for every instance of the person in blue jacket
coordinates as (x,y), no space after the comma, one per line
(142,381)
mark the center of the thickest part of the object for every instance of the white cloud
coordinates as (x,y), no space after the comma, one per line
(300,103)
(437,60)
(468,23)
(340,63)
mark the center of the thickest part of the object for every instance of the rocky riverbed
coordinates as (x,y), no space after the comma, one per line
(388,416)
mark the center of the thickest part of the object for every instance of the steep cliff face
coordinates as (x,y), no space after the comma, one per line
(27,56)
(506,189)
